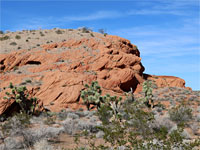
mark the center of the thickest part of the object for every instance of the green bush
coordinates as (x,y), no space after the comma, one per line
(42,34)
(180,114)
(13,43)
(4,38)
(58,31)
(20,95)
(17,37)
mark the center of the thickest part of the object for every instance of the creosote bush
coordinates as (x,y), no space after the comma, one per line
(28,105)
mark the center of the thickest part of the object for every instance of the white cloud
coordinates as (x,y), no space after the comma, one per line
(155,12)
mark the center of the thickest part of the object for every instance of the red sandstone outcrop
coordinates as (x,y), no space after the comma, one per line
(59,71)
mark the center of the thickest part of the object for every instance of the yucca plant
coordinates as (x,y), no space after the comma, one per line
(20,95)
(114,103)
(92,95)
(147,89)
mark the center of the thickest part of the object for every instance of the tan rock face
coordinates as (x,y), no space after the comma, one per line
(59,71)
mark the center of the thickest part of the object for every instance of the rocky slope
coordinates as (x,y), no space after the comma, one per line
(55,64)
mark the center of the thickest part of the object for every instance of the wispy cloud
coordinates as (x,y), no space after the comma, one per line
(94,16)
(164,41)
(156,12)
(157,7)
(169,7)
(49,22)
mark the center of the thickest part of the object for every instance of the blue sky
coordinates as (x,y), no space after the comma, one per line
(167,32)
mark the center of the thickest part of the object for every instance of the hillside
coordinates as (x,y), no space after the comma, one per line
(56,64)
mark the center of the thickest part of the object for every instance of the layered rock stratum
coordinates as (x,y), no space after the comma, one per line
(55,66)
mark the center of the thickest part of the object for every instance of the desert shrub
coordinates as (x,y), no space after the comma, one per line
(43,145)
(28,81)
(132,128)
(180,114)
(15,68)
(17,37)
(14,125)
(49,120)
(102,31)
(58,31)
(92,35)
(28,105)
(4,38)
(1,32)
(136,132)
(41,34)
(85,30)
(13,43)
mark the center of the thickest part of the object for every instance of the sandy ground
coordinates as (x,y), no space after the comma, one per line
(31,39)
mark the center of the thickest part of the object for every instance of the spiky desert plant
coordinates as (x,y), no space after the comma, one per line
(113,102)
(147,89)
(92,95)
(20,95)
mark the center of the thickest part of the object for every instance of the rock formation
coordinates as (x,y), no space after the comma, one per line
(56,72)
